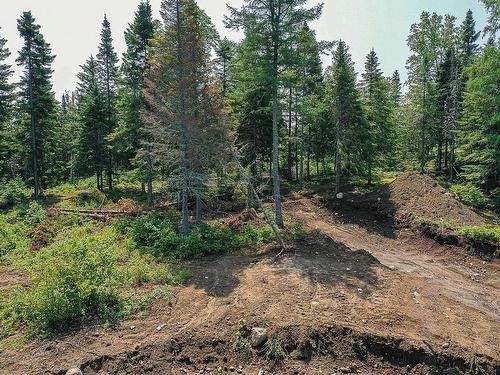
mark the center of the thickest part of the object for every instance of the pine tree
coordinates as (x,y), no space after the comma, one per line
(178,97)
(468,38)
(270,27)
(424,42)
(379,142)
(93,120)
(225,51)
(310,90)
(478,153)
(129,137)
(107,61)
(36,99)
(395,88)
(346,121)
(7,140)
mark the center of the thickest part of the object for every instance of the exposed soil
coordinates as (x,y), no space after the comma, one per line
(420,195)
(355,295)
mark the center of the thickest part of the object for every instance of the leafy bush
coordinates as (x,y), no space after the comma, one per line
(160,235)
(70,281)
(12,193)
(12,234)
(470,195)
(33,213)
(83,275)
(91,198)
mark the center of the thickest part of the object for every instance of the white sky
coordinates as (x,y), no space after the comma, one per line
(72,27)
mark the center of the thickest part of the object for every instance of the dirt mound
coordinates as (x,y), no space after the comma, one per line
(414,194)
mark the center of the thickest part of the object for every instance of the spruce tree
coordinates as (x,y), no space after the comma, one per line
(271,27)
(395,88)
(107,63)
(178,97)
(7,139)
(346,130)
(478,153)
(93,122)
(468,46)
(379,142)
(129,137)
(36,99)
(225,52)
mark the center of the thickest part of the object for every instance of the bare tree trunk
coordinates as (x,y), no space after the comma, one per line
(452,160)
(308,163)
(150,175)
(289,156)
(338,166)
(446,154)
(198,211)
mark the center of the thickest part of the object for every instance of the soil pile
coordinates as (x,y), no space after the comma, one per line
(414,194)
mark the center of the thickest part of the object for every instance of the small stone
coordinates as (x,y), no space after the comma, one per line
(261,372)
(258,336)
(365,321)
(340,196)
(160,327)
(232,368)
(445,345)
(132,327)
(74,371)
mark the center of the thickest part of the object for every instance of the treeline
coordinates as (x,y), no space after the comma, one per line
(185,106)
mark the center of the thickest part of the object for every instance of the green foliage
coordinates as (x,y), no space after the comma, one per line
(71,281)
(13,192)
(481,234)
(32,213)
(274,351)
(160,235)
(84,275)
(470,195)
(13,234)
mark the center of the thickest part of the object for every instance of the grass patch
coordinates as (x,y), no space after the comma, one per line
(470,195)
(476,234)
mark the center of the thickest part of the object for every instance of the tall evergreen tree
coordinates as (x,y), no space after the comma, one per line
(107,63)
(347,130)
(424,42)
(225,51)
(478,154)
(92,114)
(179,97)
(272,26)
(395,88)
(468,46)
(7,139)
(493,24)
(36,99)
(379,142)
(129,136)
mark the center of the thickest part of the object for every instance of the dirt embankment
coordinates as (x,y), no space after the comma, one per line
(419,195)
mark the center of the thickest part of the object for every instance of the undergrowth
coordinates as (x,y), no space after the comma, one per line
(159,235)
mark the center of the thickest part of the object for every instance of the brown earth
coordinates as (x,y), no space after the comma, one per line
(420,195)
(355,295)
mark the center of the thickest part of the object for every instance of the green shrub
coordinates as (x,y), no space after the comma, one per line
(71,281)
(274,351)
(470,195)
(13,234)
(160,235)
(481,234)
(12,192)
(33,213)
(91,198)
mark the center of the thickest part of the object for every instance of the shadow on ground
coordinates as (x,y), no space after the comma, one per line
(316,257)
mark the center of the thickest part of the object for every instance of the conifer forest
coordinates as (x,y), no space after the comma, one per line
(263,205)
